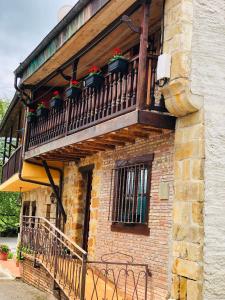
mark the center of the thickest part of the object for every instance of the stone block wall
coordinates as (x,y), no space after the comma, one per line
(41,196)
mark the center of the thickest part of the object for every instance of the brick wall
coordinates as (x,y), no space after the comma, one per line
(154,249)
(39,278)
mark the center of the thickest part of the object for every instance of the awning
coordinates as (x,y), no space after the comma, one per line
(31,172)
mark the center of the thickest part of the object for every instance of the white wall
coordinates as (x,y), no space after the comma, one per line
(208,79)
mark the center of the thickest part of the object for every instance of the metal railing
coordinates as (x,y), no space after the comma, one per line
(61,257)
(77,277)
(11,167)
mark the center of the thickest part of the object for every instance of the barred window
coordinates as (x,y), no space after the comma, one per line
(130,191)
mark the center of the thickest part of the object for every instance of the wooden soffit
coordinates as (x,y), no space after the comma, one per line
(81,38)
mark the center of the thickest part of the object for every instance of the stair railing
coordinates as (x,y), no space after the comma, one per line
(60,256)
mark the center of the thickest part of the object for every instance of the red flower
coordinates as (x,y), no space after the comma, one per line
(74,82)
(117,51)
(55,93)
(44,102)
(31,110)
(94,69)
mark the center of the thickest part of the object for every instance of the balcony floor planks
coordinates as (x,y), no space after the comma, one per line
(122,129)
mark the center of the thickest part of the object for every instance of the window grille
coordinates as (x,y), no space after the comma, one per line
(130,192)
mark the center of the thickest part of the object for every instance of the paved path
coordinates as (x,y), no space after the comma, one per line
(17,290)
(11,289)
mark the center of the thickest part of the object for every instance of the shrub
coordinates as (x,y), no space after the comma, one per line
(4,249)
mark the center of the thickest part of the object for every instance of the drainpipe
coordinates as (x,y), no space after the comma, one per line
(21,91)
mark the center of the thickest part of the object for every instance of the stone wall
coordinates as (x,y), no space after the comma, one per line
(185,103)
(41,196)
(208,79)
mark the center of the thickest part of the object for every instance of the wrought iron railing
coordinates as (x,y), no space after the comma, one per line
(77,277)
(11,167)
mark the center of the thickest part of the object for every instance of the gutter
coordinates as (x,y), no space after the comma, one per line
(52,34)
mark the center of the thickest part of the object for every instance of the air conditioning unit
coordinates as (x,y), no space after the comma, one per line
(163,67)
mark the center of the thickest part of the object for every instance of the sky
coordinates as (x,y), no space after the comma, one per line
(23,24)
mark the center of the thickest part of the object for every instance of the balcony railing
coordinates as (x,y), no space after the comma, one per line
(11,167)
(115,97)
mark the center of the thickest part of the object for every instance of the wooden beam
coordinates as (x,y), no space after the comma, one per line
(143,52)
(123,137)
(136,133)
(75,148)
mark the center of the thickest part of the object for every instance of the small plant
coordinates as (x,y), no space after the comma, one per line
(74,90)
(56,101)
(4,249)
(42,109)
(31,112)
(19,255)
(117,54)
(56,95)
(94,78)
(93,71)
(31,115)
(118,63)
(75,84)
(10,255)
(42,104)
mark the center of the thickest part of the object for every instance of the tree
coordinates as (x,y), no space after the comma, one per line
(9,206)
(9,211)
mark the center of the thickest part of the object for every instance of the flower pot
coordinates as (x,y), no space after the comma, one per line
(56,103)
(73,92)
(94,81)
(3,256)
(119,65)
(31,119)
(42,112)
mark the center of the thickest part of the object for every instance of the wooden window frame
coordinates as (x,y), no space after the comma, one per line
(135,228)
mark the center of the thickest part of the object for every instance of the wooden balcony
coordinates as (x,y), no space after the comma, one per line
(96,113)
(11,167)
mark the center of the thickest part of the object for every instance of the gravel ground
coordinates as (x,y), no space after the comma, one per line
(17,290)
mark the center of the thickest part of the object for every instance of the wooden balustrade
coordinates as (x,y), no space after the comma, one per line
(12,165)
(116,96)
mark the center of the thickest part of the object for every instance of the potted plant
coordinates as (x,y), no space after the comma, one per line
(31,116)
(42,109)
(74,90)
(56,101)
(4,251)
(118,63)
(19,255)
(94,78)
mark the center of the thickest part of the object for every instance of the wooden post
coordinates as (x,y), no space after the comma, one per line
(10,142)
(143,52)
(18,129)
(4,151)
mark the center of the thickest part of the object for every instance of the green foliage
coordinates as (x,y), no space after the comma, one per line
(9,208)
(9,211)
(4,248)
(10,255)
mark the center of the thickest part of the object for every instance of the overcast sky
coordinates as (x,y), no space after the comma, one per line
(23,24)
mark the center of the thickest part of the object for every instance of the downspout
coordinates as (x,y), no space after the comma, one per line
(22,92)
